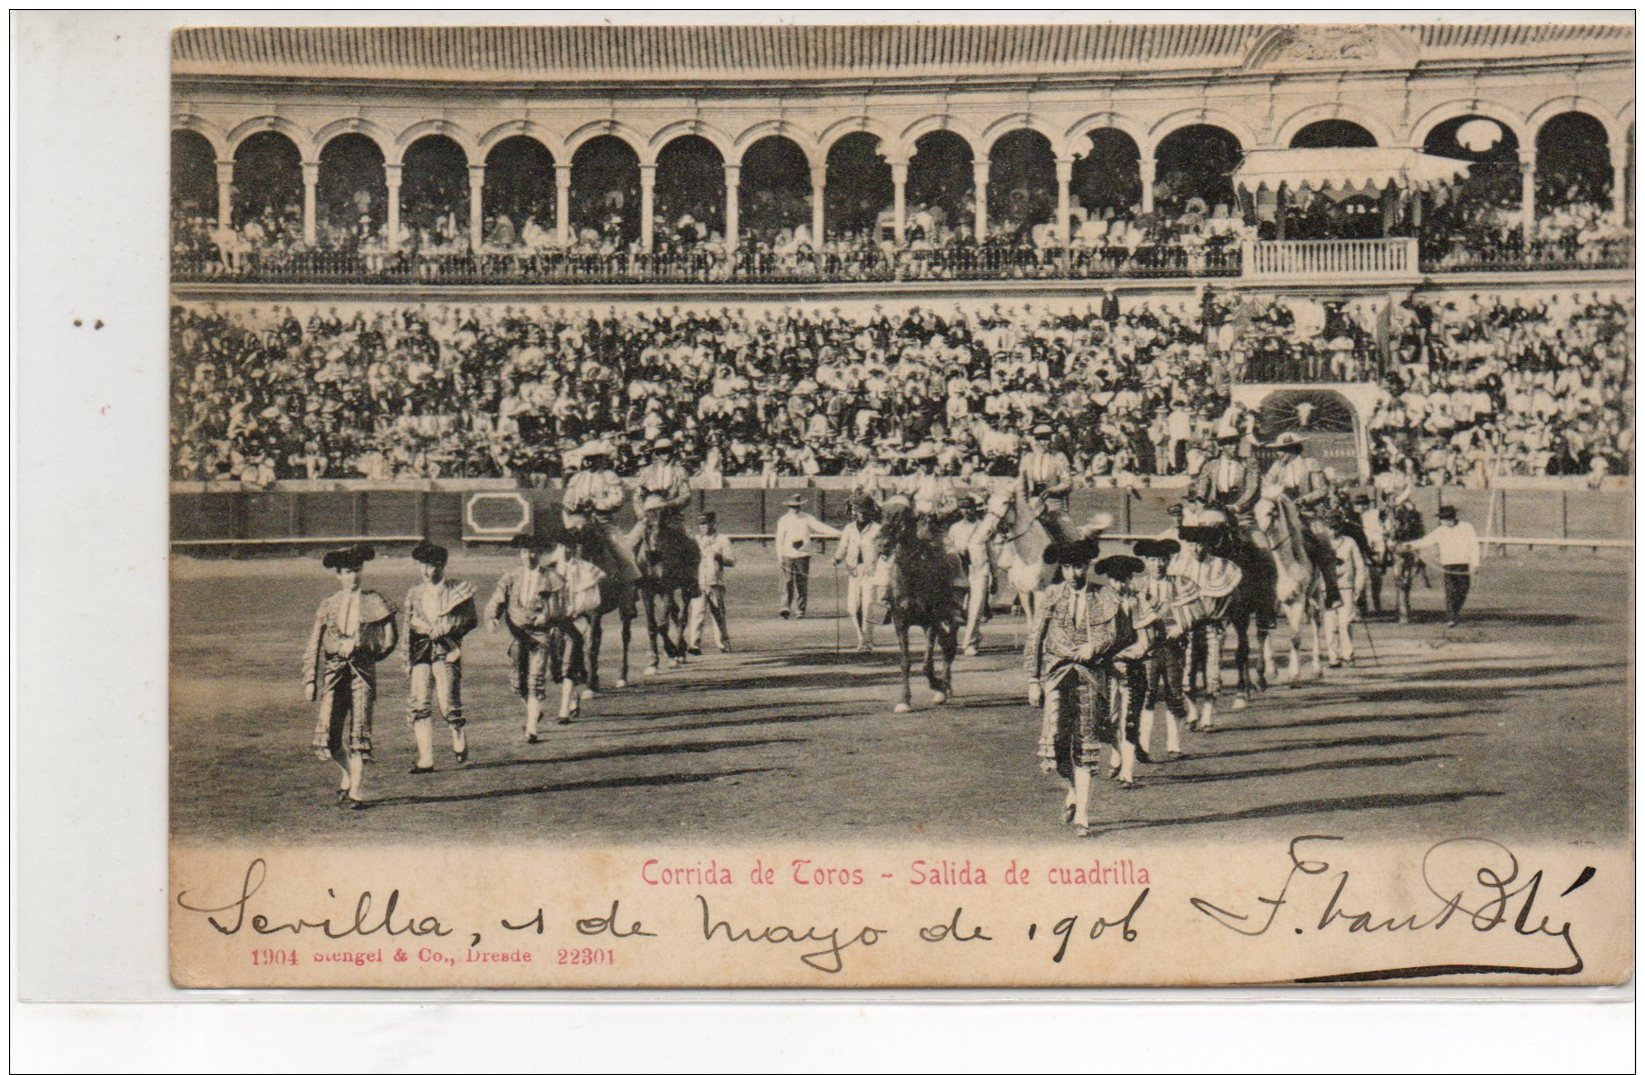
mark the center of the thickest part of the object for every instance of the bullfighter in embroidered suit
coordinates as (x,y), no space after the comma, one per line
(354,628)
(439,612)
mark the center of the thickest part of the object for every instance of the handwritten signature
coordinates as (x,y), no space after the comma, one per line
(365,919)
(1475,882)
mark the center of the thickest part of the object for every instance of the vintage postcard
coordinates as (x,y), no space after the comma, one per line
(884,505)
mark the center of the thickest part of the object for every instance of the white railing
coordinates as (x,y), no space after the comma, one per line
(1331,258)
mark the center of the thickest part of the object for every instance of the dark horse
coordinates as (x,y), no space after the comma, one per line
(925,591)
(1402,523)
(668,561)
(595,543)
(1253,602)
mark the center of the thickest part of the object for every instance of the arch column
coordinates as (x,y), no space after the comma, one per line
(562,204)
(1527,194)
(391,177)
(1619,186)
(733,177)
(1065,177)
(648,207)
(311,186)
(225,193)
(476,206)
(819,190)
(899,199)
(979,198)
(1146,167)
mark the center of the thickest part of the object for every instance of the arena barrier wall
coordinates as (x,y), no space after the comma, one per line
(243,520)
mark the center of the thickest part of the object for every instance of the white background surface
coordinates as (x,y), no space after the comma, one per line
(89,145)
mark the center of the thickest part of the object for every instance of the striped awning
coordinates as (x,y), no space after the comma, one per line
(1359,170)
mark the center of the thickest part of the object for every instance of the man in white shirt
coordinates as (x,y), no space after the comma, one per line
(795,532)
(1458,547)
(858,551)
(1351,582)
(971,538)
(710,599)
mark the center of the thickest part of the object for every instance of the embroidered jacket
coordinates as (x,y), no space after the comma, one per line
(438,615)
(362,637)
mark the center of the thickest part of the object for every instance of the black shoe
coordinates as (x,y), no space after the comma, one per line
(461,756)
(783,614)
(695,651)
(1144,757)
(419,770)
(533,740)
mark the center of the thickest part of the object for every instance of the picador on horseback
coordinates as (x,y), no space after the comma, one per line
(1302,480)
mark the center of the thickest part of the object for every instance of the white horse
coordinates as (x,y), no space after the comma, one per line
(1299,588)
(1023,529)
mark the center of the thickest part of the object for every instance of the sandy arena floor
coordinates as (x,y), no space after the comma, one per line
(1517,722)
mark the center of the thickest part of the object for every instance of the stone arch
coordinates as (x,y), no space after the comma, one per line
(465,141)
(187,121)
(1018,121)
(688,128)
(1614,132)
(1333,110)
(912,133)
(1192,117)
(1625,116)
(1443,113)
(777,128)
(298,136)
(1075,138)
(599,128)
(355,125)
(521,128)
(891,147)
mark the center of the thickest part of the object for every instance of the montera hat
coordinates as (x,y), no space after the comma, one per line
(1287,442)
(427,552)
(1119,568)
(350,559)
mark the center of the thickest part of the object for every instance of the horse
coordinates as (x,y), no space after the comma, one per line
(668,562)
(1402,523)
(594,543)
(1253,601)
(1025,529)
(1299,589)
(925,591)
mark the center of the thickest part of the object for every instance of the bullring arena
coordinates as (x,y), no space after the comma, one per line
(410,283)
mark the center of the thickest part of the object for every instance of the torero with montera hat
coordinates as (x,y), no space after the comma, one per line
(354,628)
(536,602)
(440,611)
(1070,674)
(1212,581)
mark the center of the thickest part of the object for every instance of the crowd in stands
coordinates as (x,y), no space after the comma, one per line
(1200,240)
(1192,239)
(1476,387)
(1484,386)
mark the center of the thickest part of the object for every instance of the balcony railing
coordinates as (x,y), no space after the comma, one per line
(1331,259)
(1550,257)
(963,263)
(1324,260)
